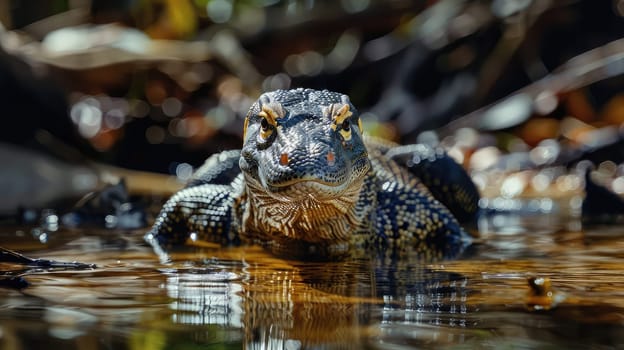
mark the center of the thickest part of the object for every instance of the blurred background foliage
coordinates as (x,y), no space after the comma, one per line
(158,85)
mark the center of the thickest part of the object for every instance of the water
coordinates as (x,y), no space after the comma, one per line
(244,297)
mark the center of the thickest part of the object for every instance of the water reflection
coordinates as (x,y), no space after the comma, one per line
(204,296)
(293,305)
(247,298)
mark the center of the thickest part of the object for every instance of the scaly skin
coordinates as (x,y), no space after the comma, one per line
(308,184)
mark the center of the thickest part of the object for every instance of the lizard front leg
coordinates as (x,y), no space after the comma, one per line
(411,219)
(203,212)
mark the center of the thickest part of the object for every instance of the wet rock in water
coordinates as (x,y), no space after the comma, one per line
(13,282)
(601,205)
(541,294)
(110,207)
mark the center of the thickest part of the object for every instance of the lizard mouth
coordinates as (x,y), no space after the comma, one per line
(306,188)
(328,182)
(306,183)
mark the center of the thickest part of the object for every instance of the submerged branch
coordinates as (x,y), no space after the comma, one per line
(9,256)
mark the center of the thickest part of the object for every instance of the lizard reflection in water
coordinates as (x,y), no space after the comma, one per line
(308,183)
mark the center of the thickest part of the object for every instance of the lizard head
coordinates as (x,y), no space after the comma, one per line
(303,143)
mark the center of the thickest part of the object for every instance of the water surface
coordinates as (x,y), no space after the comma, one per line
(244,297)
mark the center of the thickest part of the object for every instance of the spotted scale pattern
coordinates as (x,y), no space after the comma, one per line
(443,177)
(204,211)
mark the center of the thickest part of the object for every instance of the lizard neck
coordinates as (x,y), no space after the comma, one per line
(279,218)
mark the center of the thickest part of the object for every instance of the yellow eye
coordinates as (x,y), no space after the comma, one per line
(345,130)
(264,124)
(346,125)
(341,117)
(265,129)
(268,122)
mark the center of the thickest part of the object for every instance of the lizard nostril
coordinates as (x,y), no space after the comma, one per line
(331,158)
(284,159)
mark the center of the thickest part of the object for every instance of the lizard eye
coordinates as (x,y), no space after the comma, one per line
(268,122)
(346,125)
(264,124)
(266,128)
(341,120)
(345,130)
